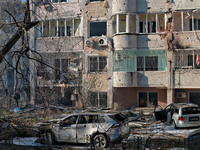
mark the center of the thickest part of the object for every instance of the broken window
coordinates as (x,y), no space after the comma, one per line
(148,99)
(147,63)
(151,23)
(98,28)
(88,119)
(140,63)
(70,121)
(46,29)
(61,69)
(142,27)
(133,23)
(98,64)
(142,24)
(152,27)
(196,24)
(59,28)
(192,60)
(43,71)
(151,63)
(122,23)
(98,99)
(161,23)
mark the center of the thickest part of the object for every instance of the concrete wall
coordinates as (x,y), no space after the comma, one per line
(152,79)
(185,4)
(55,11)
(59,44)
(163,5)
(124,79)
(151,41)
(123,6)
(125,41)
(151,6)
(187,39)
(127,98)
(98,82)
(187,79)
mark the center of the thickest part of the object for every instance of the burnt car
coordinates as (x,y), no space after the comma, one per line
(180,115)
(92,128)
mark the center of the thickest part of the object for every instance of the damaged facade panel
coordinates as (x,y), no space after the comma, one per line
(98,54)
(145,49)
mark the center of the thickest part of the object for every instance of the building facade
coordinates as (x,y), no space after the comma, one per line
(129,53)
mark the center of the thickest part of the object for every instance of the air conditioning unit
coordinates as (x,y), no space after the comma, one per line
(103,41)
(89,43)
(180,95)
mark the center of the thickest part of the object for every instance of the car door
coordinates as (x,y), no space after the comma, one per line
(87,125)
(67,129)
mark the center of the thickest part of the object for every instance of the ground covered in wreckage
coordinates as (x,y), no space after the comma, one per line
(19,131)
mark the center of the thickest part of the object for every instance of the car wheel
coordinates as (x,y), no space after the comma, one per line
(50,138)
(99,141)
(174,124)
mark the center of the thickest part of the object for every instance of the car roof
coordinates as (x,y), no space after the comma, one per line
(185,105)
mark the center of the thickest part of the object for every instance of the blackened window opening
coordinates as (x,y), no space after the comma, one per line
(98,28)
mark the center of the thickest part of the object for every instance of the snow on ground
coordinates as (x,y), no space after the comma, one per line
(168,129)
(24,141)
(32,141)
(164,129)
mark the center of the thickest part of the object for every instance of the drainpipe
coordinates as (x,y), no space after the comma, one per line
(170,71)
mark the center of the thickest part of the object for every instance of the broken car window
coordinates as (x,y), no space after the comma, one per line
(70,121)
(190,110)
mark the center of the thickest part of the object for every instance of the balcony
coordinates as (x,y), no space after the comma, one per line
(124,79)
(152,79)
(186,68)
(125,41)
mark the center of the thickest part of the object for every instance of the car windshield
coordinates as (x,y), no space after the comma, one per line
(118,117)
(190,110)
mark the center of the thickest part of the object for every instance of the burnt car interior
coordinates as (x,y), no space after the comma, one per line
(161,114)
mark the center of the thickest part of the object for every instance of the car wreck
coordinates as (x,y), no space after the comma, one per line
(180,115)
(97,129)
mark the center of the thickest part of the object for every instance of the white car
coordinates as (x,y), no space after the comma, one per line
(93,128)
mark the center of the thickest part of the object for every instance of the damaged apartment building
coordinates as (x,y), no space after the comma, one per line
(129,53)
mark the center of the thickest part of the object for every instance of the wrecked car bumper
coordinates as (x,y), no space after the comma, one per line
(117,135)
(182,124)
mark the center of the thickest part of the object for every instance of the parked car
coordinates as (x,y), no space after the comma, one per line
(180,115)
(94,128)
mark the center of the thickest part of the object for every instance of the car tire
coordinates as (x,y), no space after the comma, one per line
(100,141)
(174,124)
(50,138)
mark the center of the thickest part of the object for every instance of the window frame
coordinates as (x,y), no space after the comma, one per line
(94,34)
(148,104)
(144,63)
(98,64)
(60,69)
(98,99)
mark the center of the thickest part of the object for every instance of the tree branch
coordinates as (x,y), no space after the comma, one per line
(14,39)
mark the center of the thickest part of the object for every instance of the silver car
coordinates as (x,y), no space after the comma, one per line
(181,115)
(186,115)
(94,128)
